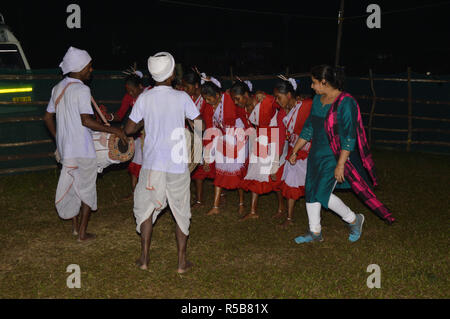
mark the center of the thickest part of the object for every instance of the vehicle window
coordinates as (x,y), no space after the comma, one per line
(10,57)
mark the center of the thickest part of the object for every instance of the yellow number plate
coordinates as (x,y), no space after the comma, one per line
(22,99)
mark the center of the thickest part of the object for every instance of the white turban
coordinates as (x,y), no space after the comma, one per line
(75,60)
(161,66)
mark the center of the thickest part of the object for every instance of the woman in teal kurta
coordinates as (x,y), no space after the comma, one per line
(324,172)
(320,180)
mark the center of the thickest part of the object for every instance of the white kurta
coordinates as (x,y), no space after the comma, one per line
(77,182)
(163,178)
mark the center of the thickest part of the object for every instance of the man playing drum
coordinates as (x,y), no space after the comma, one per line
(164,176)
(76,193)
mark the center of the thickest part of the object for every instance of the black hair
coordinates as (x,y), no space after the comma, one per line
(133,80)
(240,88)
(210,89)
(284,87)
(333,76)
(192,78)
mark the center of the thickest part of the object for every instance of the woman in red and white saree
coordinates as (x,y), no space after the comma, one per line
(228,143)
(293,178)
(266,143)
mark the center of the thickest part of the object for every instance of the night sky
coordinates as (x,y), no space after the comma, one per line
(116,34)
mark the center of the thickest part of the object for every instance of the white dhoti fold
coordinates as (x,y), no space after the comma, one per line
(77,183)
(153,191)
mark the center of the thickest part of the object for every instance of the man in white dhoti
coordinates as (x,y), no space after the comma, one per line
(76,193)
(164,175)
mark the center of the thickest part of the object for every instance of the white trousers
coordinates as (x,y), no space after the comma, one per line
(336,205)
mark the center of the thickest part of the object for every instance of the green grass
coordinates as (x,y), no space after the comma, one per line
(253,259)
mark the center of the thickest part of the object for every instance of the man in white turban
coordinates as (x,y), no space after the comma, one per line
(164,176)
(70,101)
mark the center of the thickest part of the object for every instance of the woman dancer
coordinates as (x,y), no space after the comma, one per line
(339,156)
(293,179)
(134,87)
(191,84)
(228,145)
(266,116)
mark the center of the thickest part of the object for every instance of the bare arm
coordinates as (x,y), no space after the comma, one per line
(49,119)
(131,127)
(298,146)
(89,122)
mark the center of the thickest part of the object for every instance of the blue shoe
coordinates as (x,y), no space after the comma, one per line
(356,228)
(308,238)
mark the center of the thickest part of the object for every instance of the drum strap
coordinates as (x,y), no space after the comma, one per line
(62,94)
(92,100)
(99,112)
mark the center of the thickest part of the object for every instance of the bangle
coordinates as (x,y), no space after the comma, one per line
(112,117)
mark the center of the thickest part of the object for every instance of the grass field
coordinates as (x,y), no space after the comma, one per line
(232,259)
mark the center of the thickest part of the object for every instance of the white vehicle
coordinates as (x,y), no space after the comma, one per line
(11,53)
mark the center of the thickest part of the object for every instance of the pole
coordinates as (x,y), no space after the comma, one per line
(339,35)
(408,145)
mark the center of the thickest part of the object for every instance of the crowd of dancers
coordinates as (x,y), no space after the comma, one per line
(253,141)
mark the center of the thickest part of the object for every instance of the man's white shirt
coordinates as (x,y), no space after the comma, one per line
(164,111)
(73,140)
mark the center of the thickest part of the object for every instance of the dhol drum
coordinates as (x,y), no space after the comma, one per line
(194,151)
(111,150)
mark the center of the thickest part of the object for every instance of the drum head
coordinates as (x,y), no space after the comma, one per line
(119,151)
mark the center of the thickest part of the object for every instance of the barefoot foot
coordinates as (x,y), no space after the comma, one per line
(280,213)
(197,204)
(183,269)
(87,238)
(213,211)
(141,264)
(251,215)
(288,222)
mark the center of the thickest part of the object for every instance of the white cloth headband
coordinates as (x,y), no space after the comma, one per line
(211,79)
(132,71)
(249,84)
(290,80)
